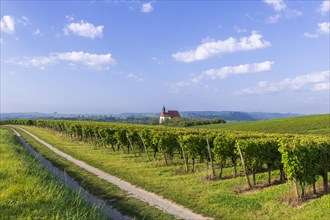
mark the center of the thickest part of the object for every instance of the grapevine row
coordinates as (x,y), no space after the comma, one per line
(302,159)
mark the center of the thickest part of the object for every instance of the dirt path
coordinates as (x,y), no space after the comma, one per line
(72,184)
(151,198)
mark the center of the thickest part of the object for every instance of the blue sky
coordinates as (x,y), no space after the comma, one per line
(109,57)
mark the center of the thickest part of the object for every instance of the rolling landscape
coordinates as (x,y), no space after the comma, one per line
(165,110)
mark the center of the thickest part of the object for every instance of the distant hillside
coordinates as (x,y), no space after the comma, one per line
(145,118)
(313,124)
(234,115)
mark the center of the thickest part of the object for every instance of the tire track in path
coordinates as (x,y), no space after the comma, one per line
(149,197)
(72,184)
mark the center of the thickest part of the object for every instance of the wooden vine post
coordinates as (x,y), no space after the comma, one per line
(244,167)
(210,155)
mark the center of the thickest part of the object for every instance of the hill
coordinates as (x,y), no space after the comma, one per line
(235,115)
(146,118)
(313,124)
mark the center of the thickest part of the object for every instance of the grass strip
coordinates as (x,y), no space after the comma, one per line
(104,190)
(28,191)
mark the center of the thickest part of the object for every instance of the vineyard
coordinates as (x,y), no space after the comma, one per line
(312,124)
(302,159)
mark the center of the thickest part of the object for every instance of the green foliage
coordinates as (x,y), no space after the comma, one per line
(306,159)
(186,122)
(224,148)
(28,191)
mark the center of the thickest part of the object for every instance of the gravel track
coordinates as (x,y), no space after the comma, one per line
(151,198)
(72,184)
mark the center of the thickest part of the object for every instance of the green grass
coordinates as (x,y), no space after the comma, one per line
(28,191)
(314,124)
(110,193)
(217,199)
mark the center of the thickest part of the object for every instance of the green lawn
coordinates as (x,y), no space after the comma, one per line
(314,124)
(217,199)
(28,191)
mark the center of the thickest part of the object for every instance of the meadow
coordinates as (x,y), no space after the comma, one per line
(28,191)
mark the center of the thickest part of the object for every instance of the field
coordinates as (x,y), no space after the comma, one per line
(227,198)
(29,192)
(315,124)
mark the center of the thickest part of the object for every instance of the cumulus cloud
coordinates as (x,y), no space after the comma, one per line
(321,86)
(83,29)
(226,72)
(282,11)
(323,28)
(324,7)
(212,48)
(316,81)
(278,5)
(93,61)
(39,62)
(7,24)
(309,35)
(146,7)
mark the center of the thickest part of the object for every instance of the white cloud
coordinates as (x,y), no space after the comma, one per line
(39,62)
(325,7)
(135,77)
(309,35)
(146,7)
(7,24)
(273,19)
(323,28)
(212,48)
(83,29)
(292,13)
(239,30)
(37,32)
(318,80)
(278,5)
(24,21)
(69,18)
(321,86)
(226,72)
(93,61)
(281,11)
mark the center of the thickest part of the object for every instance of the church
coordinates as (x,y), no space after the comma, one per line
(168,115)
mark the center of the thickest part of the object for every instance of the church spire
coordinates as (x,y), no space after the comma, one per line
(164,109)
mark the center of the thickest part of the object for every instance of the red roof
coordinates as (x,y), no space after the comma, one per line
(173,114)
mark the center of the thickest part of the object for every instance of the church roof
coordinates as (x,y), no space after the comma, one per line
(173,114)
